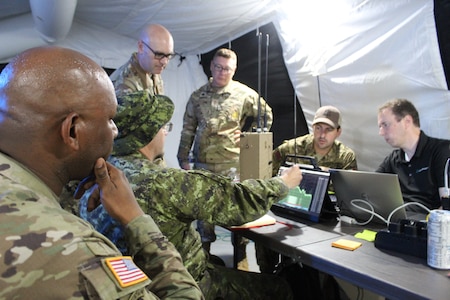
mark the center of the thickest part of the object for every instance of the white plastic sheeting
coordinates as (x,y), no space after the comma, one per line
(358,54)
(354,54)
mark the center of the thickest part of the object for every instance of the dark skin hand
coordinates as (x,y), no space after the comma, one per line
(113,191)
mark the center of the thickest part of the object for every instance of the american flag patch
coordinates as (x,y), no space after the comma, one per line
(125,271)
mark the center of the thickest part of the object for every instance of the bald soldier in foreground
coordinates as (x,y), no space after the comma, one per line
(56,111)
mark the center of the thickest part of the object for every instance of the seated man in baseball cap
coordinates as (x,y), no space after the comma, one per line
(322,144)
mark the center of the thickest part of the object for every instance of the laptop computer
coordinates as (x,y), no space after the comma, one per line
(307,201)
(369,190)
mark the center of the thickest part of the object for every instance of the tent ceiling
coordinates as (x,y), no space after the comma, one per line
(116,24)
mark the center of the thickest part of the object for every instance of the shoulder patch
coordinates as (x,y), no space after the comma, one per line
(125,271)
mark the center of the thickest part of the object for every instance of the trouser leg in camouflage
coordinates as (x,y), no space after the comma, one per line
(240,246)
(207,234)
(226,283)
(266,258)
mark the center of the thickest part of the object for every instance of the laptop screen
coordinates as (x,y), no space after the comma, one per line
(369,190)
(306,200)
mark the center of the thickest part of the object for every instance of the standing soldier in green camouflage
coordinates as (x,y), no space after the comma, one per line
(323,146)
(175,198)
(143,69)
(56,110)
(215,115)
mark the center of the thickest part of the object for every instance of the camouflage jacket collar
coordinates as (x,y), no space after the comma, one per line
(223,90)
(18,173)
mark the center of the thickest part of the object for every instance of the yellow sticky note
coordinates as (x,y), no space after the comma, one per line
(346,244)
(368,235)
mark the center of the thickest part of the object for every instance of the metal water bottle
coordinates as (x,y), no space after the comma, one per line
(438,243)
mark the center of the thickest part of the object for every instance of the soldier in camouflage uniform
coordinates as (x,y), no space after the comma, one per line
(143,69)
(56,109)
(175,198)
(323,146)
(215,115)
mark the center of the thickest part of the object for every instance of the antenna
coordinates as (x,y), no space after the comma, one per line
(295,125)
(265,86)
(258,121)
(255,156)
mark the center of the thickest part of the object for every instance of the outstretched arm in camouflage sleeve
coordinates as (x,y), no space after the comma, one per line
(214,198)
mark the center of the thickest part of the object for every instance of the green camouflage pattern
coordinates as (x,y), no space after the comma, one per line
(49,253)
(212,116)
(175,198)
(339,156)
(66,199)
(225,283)
(130,78)
(139,118)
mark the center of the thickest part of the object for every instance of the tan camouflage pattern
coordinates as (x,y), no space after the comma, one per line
(48,253)
(175,198)
(339,156)
(210,119)
(130,78)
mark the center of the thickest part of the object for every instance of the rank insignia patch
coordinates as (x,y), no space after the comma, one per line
(125,271)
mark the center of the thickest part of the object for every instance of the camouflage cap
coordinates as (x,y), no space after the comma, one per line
(139,118)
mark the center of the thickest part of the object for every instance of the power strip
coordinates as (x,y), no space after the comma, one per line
(407,236)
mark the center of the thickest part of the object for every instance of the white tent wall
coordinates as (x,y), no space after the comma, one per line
(180,80)
(354,54)
(358,54)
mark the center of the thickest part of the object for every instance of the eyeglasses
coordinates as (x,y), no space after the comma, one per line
(159,55)
(168,127)
(219,68)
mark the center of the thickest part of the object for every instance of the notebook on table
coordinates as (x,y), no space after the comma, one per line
(380,191)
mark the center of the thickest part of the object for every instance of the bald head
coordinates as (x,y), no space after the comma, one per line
(154,38)
(158,34)
(46,82)
(47,95)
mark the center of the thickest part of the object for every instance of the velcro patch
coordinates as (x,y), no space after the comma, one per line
(125,271)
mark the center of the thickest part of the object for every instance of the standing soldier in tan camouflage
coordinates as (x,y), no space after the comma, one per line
(323,145)
(143,70)
(175,198)
(56,110)
(214,117)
